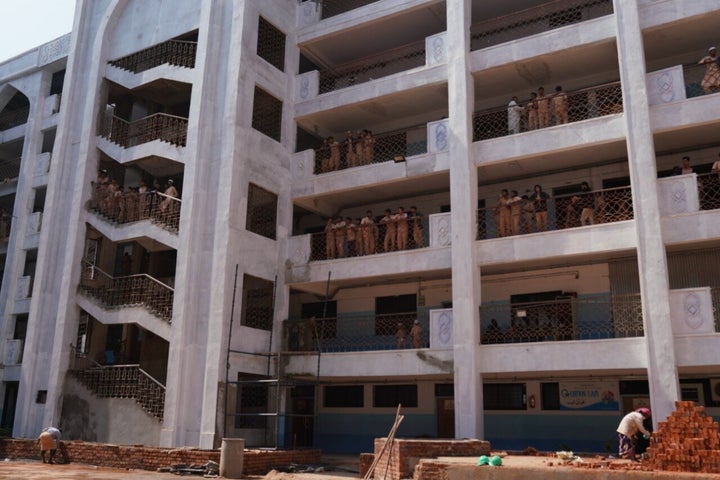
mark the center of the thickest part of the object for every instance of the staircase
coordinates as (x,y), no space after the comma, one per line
(125,381)
(179,53)
(128,291)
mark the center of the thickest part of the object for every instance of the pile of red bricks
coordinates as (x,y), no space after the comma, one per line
(688,441)
(404,454)
(255,462)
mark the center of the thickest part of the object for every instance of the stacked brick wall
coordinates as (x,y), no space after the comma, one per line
(255,462)
(688,441)
(399,459)
(366,460)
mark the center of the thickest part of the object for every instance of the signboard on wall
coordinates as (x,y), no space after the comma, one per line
(589,396)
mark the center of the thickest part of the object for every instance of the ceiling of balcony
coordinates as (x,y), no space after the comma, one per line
(681,42)
(404,109)
(411,25)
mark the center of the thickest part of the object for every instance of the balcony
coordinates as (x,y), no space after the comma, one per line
(351,332)
(366,149)
(159,126)
(570,318)
(373,67)
(330,8)
(128,207)
(581,105)
(534,20)
(174,52)
(563,211)
(10,170)
(127,291)
(13,118)
(125,381)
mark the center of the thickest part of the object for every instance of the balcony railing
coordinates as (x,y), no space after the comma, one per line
(13,118)
(174,52)
(543,18)
(10,169)
(373,67)
(127,291)
(350,332)
(125,381)
(159,126)
(370,239)
(596,317)
(581,105)
(366,149)
(128,207)
(694,74)
(563,211)
(330,8)
(709,191)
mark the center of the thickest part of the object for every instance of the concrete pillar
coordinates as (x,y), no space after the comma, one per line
(652,258)
(463,199)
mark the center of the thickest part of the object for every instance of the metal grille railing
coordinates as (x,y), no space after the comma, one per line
(715,295)
(351,332)
(267,114)
(330,8)
(10,169)
(373,67)
(563,211)
(125,381)
(364,148)
(5,225)
(356,239)
(128,291)
(159,126)
(603,316)
(131,206)
(578,105)
(13,118)
(709,190)
(693,75)
(531,21)
(271,44)
(173,52)
(261,212)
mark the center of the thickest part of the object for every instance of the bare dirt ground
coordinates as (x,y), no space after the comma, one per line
(34,470)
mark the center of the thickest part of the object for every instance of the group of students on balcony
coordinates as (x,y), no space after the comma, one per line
(345,237)
(354,151)
(514,214)
(135,203)
(539,111)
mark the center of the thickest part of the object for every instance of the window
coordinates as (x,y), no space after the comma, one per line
(56,82)
(389,311)
(261,212)
(258,303)
(251,399)
(343,396)
(504,396)
(271,44)
(267,114)
(394,395)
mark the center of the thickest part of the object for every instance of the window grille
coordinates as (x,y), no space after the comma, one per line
(258,300)
(252,400)
(267,114)
(504,396)
(261,212)
(271,44)
(343,396)
(394,310)
(391,396)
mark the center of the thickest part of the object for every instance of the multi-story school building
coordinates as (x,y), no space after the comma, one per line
(184,258)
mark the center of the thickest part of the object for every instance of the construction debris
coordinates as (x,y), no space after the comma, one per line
(209,470)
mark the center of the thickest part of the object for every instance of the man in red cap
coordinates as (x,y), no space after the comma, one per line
(630,425)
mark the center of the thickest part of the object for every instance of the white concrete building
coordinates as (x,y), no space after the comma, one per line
(222,303)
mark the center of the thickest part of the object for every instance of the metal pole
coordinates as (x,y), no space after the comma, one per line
(227,356)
